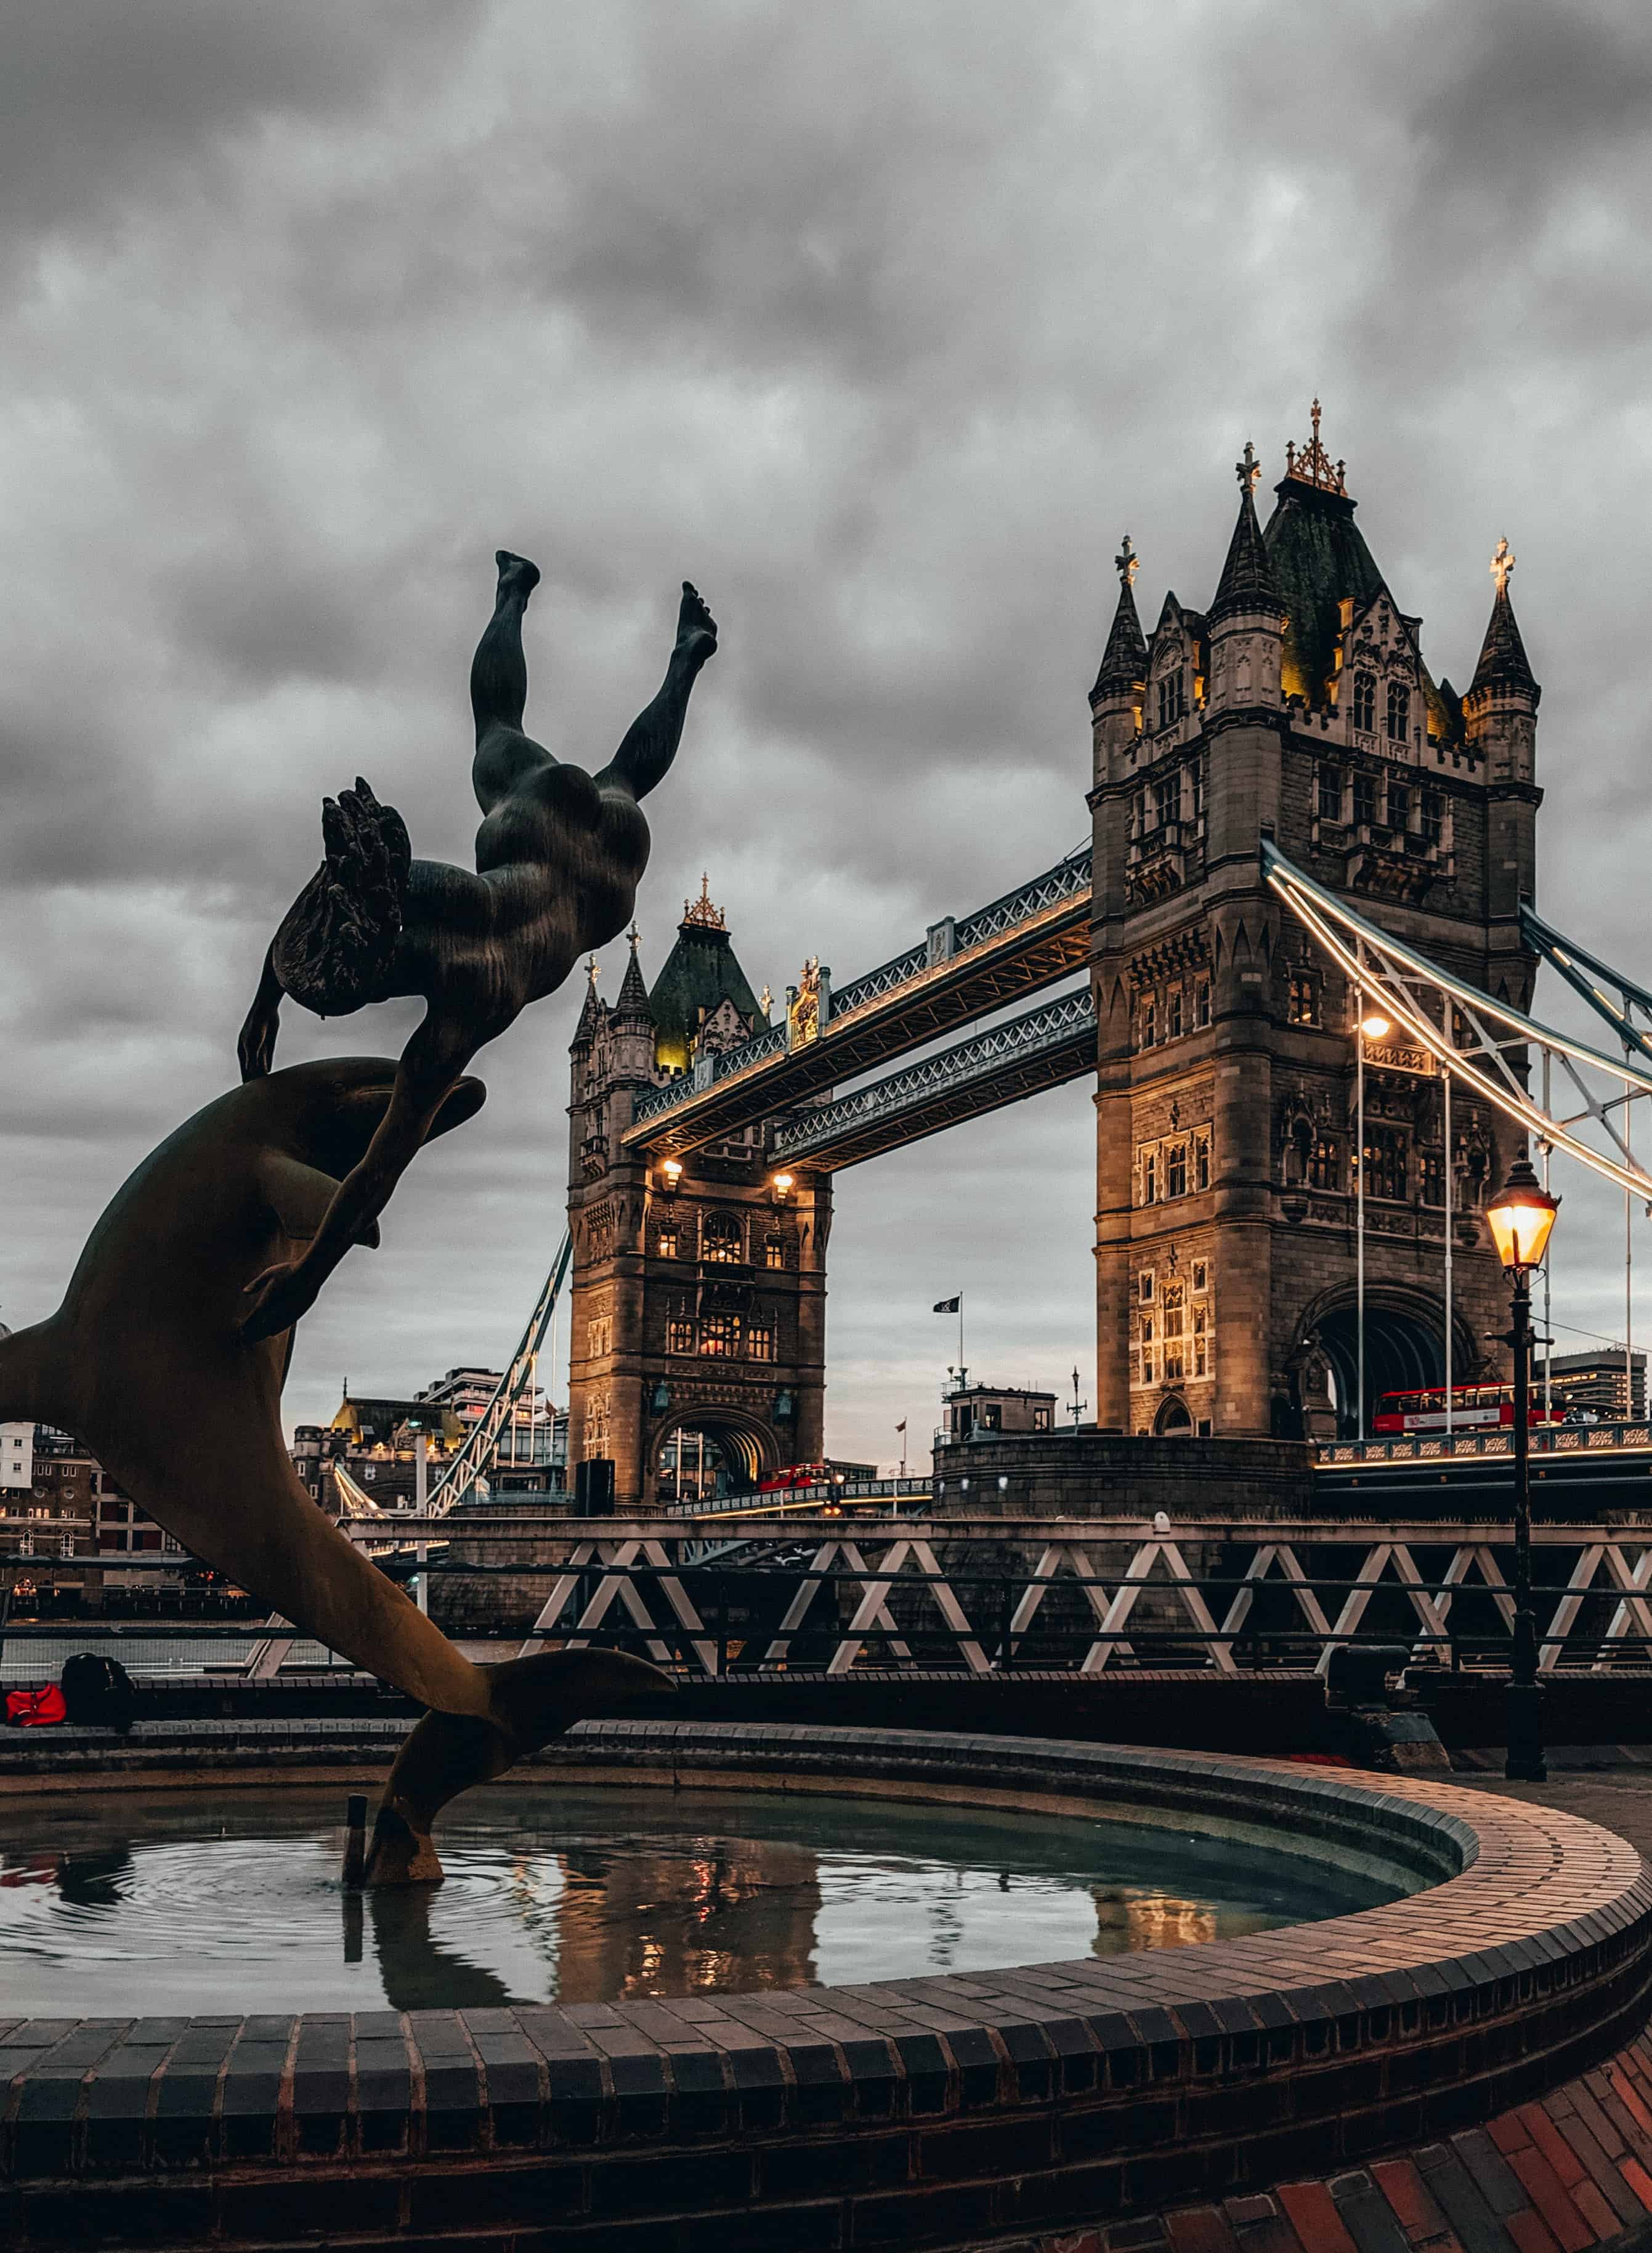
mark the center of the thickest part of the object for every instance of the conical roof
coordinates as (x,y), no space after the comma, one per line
(1247,580)
(699,974)
(1318,557)
(1124,662)
(1502,662)
(585,1031)
(633,993)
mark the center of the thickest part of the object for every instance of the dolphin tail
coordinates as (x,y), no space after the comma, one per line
(30,1366)
(532,1700)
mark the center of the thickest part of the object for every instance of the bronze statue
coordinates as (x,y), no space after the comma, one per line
(558,857)
(147,1362)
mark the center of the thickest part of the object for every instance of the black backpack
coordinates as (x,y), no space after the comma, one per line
(98,1692)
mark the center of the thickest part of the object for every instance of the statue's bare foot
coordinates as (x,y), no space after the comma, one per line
(696,627)
(517,575)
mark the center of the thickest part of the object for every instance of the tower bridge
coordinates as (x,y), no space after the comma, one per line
(1293,816)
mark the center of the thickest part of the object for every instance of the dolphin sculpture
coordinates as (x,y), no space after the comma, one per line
(148,1362)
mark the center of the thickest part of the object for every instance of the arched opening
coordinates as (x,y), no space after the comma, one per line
(1172,1420)
(1403,1351)
(705,1458)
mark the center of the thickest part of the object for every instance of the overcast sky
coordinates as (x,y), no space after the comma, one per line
(881,322)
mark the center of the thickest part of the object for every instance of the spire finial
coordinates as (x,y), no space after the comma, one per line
(1312,465)
(701,912)
(1314,411)
(1125,563)
(1247,469)
(591,972)
(634,935)
(1501,564)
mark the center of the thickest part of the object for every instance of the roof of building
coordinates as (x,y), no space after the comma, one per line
(1502,662)
(699,974)
(1124,662)
(1318,556)
(1248,581)
(633,993)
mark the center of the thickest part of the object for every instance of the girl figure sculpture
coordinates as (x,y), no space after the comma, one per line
(558,858)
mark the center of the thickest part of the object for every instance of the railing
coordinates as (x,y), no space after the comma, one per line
(722,1063)
(1084,1596)
(1565,1440)
(1052,1025)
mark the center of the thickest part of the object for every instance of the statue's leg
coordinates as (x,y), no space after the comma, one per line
(257,1043)
(499,684)
(651,740)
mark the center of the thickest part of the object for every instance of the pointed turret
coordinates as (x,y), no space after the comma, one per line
(1247,619)
(1247,583)
(590,1015)
(632,1005)
(1503,666)
(1124,662)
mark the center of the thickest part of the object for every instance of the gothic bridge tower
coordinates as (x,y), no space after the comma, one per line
(1296,704)
(698,1347)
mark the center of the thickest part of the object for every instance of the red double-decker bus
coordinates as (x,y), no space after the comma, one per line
(1473,1408)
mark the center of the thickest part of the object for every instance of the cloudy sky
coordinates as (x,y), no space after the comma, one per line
(878,321)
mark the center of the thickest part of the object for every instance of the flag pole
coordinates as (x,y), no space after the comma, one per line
(962,1370)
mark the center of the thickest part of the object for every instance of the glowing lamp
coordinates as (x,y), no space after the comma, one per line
(1521,1216)
(1375,1026)
(672,1170)
(782,1183)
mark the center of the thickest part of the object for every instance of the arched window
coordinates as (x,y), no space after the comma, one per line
(1399,712)
(721,1239)
(1365,701)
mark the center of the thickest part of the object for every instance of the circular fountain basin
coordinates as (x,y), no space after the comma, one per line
(1023,2079)
(134,1901)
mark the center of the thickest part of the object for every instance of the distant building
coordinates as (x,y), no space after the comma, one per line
(1593,1384)
(17,1451)
(982,1408)
(376,1438)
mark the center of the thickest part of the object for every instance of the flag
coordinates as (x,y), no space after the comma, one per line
(949,1306)
(901,1427)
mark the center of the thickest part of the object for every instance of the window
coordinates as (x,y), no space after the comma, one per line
(1329,799)
(1144,1286)
(720,1239)
(774,1252)
(1200,1342)
(1201,1173)
(1399,805)
(1147,1364)
(1302,1004)
(1149,1022)
(1365,701)
(1365,801)
(1173,1015)
(1196,772)
(1173,697)
(1433,818)
(1399,712)
(1321,1165)
(1202,1003)
(679,1335)
(719,1336)
(1174,1350)
(1434,1176)
(1386,1163)
(760,1342)
(1175,1173)
(1150,1177)
(1201,1277)
(1167,797)
(665,1243)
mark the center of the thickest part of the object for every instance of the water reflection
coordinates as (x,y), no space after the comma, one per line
(136,1902)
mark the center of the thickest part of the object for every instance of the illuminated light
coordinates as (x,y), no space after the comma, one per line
(1375,1026)
(1520,1218)
(672,1168)
(783,1183)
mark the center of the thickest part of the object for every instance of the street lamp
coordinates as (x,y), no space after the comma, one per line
(1520,1217)
(1372,1025)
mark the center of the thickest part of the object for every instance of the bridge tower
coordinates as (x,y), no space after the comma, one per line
(698,1301)
(1298,704)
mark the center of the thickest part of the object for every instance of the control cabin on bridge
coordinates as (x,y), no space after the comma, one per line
(1297,705)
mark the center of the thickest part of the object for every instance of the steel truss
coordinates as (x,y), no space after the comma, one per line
(460,1478)
(1139,1585)
(1483,1043)
(1028,939)
(1587,975)
(1041,1048)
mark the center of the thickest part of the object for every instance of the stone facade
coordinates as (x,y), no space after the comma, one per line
(698,1307)
(1298,706)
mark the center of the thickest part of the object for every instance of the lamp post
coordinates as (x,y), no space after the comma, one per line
(1521,1216)
(1373,1026)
